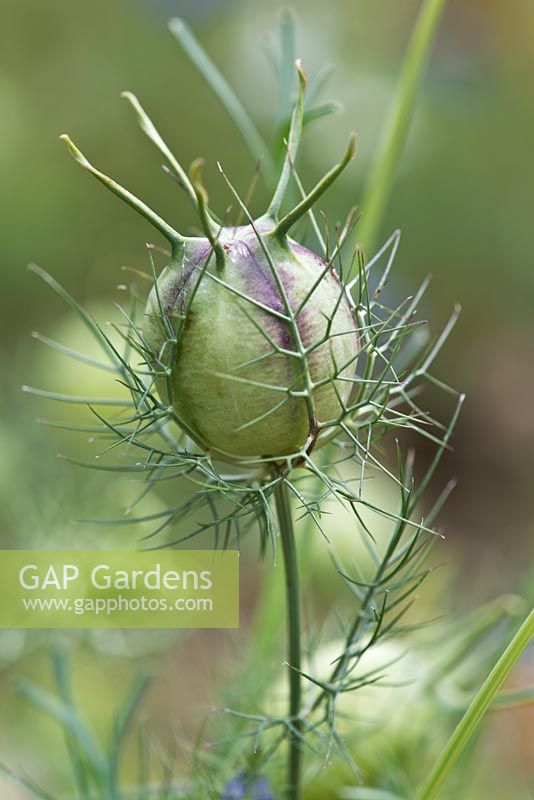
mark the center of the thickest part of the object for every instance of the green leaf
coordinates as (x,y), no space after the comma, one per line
(480,704)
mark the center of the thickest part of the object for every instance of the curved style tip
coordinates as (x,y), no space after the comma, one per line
(166,230)
(144,121)
(195,176)
(174,169)
(351,147)
(195,169)
(292,147)
(75,152)
(130,97)
(303,78)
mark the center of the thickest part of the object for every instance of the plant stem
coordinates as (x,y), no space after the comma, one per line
(380,181)
(477,709)
(289,550)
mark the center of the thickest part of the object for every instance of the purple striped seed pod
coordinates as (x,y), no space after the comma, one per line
(251,337)
(266,344)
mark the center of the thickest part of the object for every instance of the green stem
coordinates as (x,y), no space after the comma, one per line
(379,183)
(477,709)
(289,550)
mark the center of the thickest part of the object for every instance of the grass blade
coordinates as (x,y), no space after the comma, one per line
(396,129)
(480,704)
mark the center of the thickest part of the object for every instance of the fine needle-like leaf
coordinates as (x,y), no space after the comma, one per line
(226,95)
(478,707)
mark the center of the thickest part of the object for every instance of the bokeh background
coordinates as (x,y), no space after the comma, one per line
(463,198)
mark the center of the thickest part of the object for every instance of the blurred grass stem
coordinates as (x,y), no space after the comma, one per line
(395,133)
(480,704)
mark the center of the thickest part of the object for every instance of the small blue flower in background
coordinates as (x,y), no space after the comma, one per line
(245,787)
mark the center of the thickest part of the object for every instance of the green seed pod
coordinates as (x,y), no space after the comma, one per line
(251,338)
(239,375)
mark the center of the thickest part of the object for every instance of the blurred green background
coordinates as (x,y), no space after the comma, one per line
(463,197)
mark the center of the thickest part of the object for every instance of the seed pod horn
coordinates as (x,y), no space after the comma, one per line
(293,143)
(152,133)
(173,237)
(319,189)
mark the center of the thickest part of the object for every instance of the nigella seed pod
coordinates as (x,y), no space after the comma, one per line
(240,373)
(250,337)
